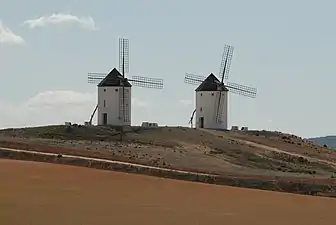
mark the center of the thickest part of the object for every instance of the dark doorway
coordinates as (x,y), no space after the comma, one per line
(104,118)
(201,122)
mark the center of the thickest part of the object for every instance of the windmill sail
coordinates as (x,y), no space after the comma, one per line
(220,100)
(124,109)
(224,73)
(226,62)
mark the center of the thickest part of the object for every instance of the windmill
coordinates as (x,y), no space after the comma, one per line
(212,94)
(114,90)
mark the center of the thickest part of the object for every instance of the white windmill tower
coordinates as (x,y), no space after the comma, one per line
(114,90)
(212,95)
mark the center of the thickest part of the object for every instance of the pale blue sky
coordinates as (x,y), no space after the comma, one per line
(284,48)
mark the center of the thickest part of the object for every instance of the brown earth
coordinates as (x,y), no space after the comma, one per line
(258,155)
(218,152)
(41,193)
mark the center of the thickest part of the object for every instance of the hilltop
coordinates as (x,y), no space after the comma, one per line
(247,153)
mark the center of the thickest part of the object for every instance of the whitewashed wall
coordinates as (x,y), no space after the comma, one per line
(205,107)
(112,105)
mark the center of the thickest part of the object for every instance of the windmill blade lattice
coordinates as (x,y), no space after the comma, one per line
(95,78)
(123,55)
(193,79)
(219,107)
(242,90)
(147,82)
(226,62)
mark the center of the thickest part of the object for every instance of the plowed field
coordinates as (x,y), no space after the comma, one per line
(40,193)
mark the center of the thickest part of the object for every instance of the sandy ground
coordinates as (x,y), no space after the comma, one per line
(39,194)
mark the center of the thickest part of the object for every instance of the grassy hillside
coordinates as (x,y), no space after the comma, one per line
(219,152)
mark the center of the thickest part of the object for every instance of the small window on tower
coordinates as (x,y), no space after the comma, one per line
(212,94)
(201,94)
(116,90)
(201,109)
(104,103)
(104,90)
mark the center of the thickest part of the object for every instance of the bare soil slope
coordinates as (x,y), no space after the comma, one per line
(249,153)
(40,193)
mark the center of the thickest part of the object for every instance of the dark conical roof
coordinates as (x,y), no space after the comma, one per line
(114,79)
(211,83)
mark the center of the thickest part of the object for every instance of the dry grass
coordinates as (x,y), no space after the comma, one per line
(39,194)
(185,148)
